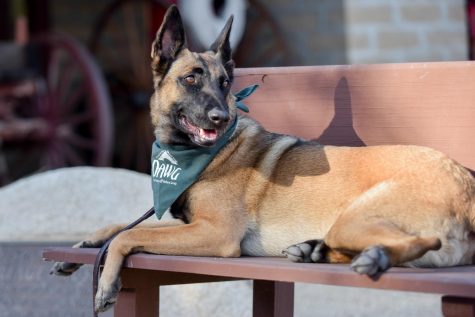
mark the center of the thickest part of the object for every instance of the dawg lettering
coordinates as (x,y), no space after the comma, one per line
(165,168)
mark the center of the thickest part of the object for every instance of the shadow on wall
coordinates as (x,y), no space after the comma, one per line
(340,131)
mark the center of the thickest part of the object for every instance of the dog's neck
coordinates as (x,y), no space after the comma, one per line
(176,167)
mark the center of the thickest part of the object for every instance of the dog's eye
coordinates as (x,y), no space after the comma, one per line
(190,79)
(226,83)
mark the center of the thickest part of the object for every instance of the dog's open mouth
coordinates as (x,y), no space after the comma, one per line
(200,136)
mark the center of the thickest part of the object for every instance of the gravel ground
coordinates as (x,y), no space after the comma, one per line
(66,204)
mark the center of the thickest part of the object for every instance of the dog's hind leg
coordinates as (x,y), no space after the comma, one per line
(379,229)
(97,240)
(376,243)
(371,249)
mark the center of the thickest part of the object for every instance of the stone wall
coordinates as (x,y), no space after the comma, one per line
(405,30)
(372,31)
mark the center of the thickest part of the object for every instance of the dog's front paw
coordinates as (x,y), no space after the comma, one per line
(106,295)
(88,244)
(308,251)
(371,261)
(64,268)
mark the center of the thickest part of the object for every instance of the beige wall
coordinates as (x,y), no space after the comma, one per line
(405,30)
(372,31)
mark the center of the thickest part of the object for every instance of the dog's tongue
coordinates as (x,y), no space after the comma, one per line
(200,133)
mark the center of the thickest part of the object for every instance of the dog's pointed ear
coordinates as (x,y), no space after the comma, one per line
(169,41)
(222,46)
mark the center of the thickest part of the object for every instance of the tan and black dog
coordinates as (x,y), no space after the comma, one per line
(373,207)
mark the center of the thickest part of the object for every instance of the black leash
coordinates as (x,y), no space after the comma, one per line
(102,252)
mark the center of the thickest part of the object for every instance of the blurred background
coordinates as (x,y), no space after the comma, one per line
(75,83)
(75,79)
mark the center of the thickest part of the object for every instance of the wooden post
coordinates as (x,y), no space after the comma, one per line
(273,299)
(139,296)
(458,306)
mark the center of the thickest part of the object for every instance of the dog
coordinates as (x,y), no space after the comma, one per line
(265,194)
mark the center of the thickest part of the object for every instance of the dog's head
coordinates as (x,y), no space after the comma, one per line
(192,103)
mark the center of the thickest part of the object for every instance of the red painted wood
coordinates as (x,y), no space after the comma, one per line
(457,281)
(139,295)
(137,302)
(274,299)
(429,104)
(458,307)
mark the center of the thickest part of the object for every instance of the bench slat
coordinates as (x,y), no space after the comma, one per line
(458,281)
(431,104)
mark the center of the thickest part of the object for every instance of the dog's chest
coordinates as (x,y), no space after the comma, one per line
(180,208)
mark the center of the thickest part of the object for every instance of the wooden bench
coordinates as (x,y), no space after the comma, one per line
(430,104)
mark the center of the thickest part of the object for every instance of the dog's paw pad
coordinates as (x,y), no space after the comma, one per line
(103,304)
(309,251)
(371,261)
(106,296)
(64,268)
(294,253)
(319,252)
(87,244)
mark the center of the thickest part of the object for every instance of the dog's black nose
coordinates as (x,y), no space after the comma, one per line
(218,116)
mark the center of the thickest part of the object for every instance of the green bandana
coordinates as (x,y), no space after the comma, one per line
(177,167)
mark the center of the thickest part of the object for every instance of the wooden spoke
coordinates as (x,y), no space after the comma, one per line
(77,118)
(80,141)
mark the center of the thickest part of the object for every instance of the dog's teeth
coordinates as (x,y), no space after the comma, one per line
(208,134)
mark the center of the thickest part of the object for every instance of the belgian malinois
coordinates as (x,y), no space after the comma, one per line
(265,193)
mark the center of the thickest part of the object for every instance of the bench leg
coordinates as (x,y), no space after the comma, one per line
(273,299)
(458,306)
(139,296)
(139,302)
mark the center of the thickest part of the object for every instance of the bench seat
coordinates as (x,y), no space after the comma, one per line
(274,279)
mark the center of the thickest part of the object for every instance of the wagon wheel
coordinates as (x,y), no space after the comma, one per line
(253,51)
(76,105)
(121,41)
(72,100)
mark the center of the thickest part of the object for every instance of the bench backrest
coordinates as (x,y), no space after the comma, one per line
(431,104)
